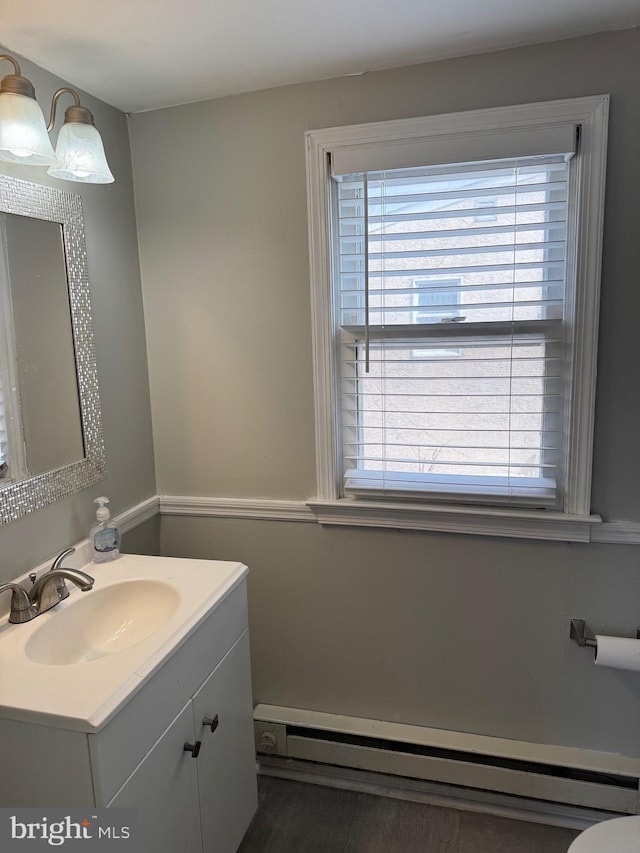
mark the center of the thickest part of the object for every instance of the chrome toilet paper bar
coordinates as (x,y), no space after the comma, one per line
(578,632)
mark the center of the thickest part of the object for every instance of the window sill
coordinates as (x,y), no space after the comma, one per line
(479,521)
(533,492)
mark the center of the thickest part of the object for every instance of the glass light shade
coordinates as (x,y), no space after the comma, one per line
(80,155)
(23,133)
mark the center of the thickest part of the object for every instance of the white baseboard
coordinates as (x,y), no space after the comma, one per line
(554,775)
(429,793)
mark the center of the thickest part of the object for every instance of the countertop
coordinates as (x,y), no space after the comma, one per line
(85,695)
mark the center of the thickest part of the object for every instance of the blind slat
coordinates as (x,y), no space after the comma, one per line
(448,233)
(540,209)
(477,249)
(443,286)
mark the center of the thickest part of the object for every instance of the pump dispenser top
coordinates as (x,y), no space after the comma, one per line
(104,536)
(102,513)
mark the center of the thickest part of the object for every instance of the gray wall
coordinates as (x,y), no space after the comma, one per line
(451,631)
(458,632)
(114,275)
(143,539)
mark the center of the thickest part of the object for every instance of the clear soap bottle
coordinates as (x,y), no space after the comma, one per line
(105,536)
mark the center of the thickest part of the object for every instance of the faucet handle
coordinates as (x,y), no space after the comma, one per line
(63,592)
(22,609)
(32,577)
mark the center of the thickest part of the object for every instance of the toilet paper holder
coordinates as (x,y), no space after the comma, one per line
(578,632)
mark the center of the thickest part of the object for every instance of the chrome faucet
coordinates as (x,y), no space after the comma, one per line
(46,592)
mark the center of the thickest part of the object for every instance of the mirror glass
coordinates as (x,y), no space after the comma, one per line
(50,425)
(40,425)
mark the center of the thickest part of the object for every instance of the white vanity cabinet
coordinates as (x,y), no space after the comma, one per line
(201,799)
(164,791)
(197,693)
(226,764)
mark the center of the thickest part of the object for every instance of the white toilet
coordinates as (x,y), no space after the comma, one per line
(620,835)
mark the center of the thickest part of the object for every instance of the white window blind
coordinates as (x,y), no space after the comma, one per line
(453,329)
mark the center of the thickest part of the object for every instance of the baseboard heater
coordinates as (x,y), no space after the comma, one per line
(556,774)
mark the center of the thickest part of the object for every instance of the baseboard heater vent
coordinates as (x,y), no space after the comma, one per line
(564,775)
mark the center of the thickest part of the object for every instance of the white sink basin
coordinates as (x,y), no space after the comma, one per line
(105,622)
(75,665)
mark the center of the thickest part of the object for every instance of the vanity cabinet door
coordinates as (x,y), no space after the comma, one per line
(164,790)
(226,765)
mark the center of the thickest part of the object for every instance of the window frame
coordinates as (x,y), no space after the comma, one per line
(590,114)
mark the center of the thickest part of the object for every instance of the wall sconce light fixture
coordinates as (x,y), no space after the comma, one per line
(24,137)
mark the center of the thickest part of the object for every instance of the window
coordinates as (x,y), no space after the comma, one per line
(487,205)
(11,457)
(437,300)
(453,348)
(13,464)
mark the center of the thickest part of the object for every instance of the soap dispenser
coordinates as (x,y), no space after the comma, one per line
(105,536)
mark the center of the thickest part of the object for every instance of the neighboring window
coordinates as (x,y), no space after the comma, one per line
(458,366)
(437,299)
(488,205)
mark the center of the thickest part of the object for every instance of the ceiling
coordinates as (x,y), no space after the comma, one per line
(144,54)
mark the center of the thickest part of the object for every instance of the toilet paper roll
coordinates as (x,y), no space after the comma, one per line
(618,652)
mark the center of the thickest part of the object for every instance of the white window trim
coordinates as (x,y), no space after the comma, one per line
(591,114)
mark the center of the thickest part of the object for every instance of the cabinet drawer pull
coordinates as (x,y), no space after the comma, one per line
(193,748)
(212,722)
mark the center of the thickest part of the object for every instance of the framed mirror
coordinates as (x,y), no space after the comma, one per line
(51,440)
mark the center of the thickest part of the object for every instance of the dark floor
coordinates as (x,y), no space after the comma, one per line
(295,817)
